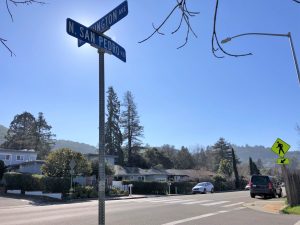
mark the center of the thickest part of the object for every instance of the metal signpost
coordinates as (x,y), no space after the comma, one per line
(95,37)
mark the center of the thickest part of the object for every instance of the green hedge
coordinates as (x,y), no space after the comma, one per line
(29,182)
(140,187)
(182,187)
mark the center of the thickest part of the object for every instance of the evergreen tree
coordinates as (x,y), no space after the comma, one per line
(225,168)
(113,135)
(184,159)
(21,133)
(200,158)
(26,132)
(130,122)
(44,137)
(235,161)
(221,150)
(253,168)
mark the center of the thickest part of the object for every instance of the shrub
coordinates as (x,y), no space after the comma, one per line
(182,187)
(57,184)
(23,182)
(85,192)
(140,187)
(29,182)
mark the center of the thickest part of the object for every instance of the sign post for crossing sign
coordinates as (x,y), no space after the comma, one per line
(97,40)
(108,20)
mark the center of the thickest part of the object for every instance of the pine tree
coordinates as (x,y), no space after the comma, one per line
(220,150)
(44,137)
(184,159)
(113,135)
(130,122)
(21,133)
(26,132)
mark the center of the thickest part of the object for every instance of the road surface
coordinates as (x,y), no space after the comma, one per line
(207,209)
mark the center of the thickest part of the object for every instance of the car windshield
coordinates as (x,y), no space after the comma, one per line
(201,184)
(260,180)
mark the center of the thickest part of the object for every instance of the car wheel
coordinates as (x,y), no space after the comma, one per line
(204,191)
(279,195)
(212,190)
(252,195)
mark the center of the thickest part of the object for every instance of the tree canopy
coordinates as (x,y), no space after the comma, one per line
(58,163)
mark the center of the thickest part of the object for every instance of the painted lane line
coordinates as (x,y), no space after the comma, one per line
(196,202)
(239,203)
(215,203)
(177,201)
(194,218)
(239,208)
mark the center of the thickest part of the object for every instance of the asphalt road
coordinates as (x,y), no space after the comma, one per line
(208,209)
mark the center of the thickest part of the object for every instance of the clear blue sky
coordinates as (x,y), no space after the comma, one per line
(184,97)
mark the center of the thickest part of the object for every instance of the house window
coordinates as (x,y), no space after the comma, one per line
(142,178)
(20,157)
(7,157)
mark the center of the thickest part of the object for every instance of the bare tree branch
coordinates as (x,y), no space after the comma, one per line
(215,39)
(16,3)
(3,42)
(185,16)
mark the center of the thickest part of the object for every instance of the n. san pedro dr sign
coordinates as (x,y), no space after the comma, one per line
(97,40)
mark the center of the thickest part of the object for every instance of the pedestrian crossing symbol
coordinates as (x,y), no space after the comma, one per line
(280,147)
(283,161)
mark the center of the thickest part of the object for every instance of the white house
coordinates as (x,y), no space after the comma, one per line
(12,157)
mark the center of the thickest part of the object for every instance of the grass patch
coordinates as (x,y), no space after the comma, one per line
(292,210)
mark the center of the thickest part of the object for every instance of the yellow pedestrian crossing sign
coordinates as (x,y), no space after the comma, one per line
(280,147)
(283,161)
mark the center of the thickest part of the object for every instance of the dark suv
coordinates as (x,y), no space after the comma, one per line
(265,186)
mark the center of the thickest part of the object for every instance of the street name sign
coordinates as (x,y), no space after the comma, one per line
(280,147)
(97,40)
(283,161)
(108,20)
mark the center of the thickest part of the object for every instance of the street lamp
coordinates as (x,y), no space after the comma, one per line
(288,35)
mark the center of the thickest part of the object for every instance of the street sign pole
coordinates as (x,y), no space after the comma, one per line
(101,171)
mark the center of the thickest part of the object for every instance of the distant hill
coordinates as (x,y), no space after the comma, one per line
(260,152)
(76,146)
(3,131)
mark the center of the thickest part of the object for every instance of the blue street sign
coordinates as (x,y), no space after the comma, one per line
(108,20)
(96,40)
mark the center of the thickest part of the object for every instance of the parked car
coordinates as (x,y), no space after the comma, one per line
(203,187)
(265,186)
(247,187)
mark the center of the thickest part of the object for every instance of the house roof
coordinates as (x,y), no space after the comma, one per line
(96,155)
(190,173)
(15,150)
(121,171)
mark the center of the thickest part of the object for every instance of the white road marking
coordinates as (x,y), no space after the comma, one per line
(298,223)
(239,208)
(177,201)
(214,203)
(196,202)
(194,218)
(239,203)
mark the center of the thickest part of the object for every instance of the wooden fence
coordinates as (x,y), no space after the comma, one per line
(292,185)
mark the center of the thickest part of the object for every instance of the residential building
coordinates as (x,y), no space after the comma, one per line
(109,159)
(14,157)
(32,167)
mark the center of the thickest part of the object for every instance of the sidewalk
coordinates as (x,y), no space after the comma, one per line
(269,206)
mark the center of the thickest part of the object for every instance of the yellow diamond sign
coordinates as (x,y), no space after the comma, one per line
(283,161)
(280,147)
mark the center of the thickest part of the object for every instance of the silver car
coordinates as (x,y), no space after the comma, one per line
(203,187)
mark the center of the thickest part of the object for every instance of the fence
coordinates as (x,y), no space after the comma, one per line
(292,185)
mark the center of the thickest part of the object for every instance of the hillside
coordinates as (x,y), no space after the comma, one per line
(76,146)
(260,152)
